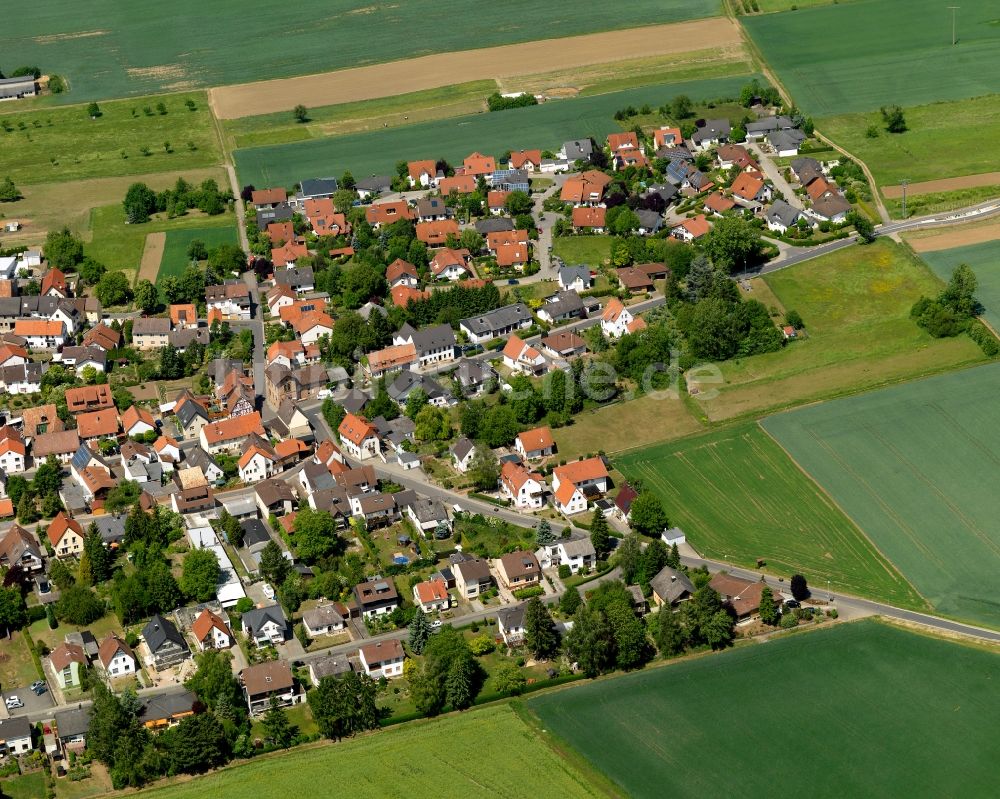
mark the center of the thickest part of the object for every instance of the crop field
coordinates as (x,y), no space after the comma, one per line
(861,709)
(855,303)
(175,258)
(545,126)
(912,465)
(840,59)
(985,262)
(104,53)
(444,757)
(739,497)
(50,144)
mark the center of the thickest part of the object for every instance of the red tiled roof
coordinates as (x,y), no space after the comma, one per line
(537,439)
(355,429)
(233,428)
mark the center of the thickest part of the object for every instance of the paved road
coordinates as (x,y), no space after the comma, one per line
(775,174)
(256,324)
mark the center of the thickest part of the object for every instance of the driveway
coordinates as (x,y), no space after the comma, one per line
(774,173)
(32,703)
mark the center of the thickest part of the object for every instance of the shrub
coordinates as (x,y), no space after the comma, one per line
(788,621)
(528,593)
(482,645)
(564,571)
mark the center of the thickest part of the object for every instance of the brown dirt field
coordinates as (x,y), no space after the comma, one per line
(947,238)
(152,254)
(428,72)
(945,184)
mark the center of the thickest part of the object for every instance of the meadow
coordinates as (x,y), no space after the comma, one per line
(739,497)
(545,126)
(175,258)
(48,144)
(860,709)
(104,53)
(839,59)
(443,757)
(912,466)
(855,303)
(985,262)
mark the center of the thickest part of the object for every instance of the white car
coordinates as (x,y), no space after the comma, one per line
(268,591)
(13,702)
(324,393)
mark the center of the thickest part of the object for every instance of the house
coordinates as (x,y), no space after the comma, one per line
(462,454)
(12,355)
(435,234)
(266,681)
(62,444)
(282,384)
(575,278)
(528,160)
(389,360)
(376,598)
(258,461)
(577,552)
(623,159)
(162,710)
(522,358)
(137,421)
(166,645)
(759,128)
(150,333)
(274,496)
(650,222)
(748,189)
(370,187)
(590,218)
(279,296)
(587,188)
(192,416)
(781,216)
(15,734)
(577,150)
(68,662)
(807,170)
(379,214)
(497,323)
(564,344)
(89,398)
(525,489)
(358,437)
(324,620)
(718,203)
(560,307)
(616,319)
(510,624)
(330,665)
(41,334)
(623,141)
(742,596)
(402,273)
(81,358)
(474,376)
(432,344)
(324,217)
(518,570)
(449,264)
(667,137)
(265,626)
(671,587)
(54,284)
(459,184)
(730,155)
(231,299)
(423,173)
(25,378)
(634,281)
(513,256)
(312,326)
(20,549)
(785,143)
(268,198)
(65,535)
(167,452)
(116,657)
(97,425)
(382,659)
(472,576)
(478,164)
(535,443)
(432,596)
(296,279)
(691,229)
(404,295)
(830,207)
(713,132)
(230,434)
(569,499)
(574,483)
(12,452)
(193,491)
(40,419)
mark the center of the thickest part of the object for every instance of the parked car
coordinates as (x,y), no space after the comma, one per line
(792,604)
(324,393)
(268,591)
(13,702)
(38,687)
(513,281)
(436,624)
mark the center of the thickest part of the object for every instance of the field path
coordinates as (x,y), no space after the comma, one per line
(152,254)
(446,69)
(944,184)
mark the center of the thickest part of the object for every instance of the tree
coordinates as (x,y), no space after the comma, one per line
(415,402)
(863,225)
(431,424)
(768,610)
(197,250)
(139,203)
(799,588)
(590,642)
(484,471)
(893,118)
(61,575)
(570,601)
(631,647)
(681,107)
(669,633)
(273,565)
(214,683)
(97,555)
(124,495)
(147,297)
(647,515)
(629,557)
(509,679)
(62,249)
(13,614)
(200,575)
(48,477)
(79,605)
(622,220)
(277,729)
(600,536)
(459,690)
(315,534)
(794,318)
(540,634)
(447,675)
(343,706)
(517,203)
(472,240)
(195,745)
(734,244)
(93,110)
(8,191)
(112,289)
(543,533)
(300,113)
(718,630)
(420,632)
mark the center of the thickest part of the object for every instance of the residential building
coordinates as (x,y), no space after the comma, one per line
(376,597)
(497,323)
(518,570)
(472,576)
(781,216)
(116,657)
(266,626)
(230,435)
(432,596)
(68,662)
(564,344)
(193,492)
(150,333)
(41,334)
(742,596)
(382,659)
(65,535)
(587,188)
(274,496)
(19,548)
(359,437)
(265,681)
(433,344)
(62,444)
(577,552)
(449,264)
(402,273)
(284,384)
(561,307)
(522,358)
(591,219)
(575,278)
(330,665)
(670,587)
(386,213)
(535,443)
(325,620)
(15,731)
(750,189)
(691,229)
(510,624)
(137,421)
(712,133)
(166,645)
(462,454)
(617,320)
(525,489)
(231,299)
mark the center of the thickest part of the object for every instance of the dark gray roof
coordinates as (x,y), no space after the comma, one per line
(280,213)
(698,179)
(354,400)
(429,510)
(494,224)
(154,325)
(159,631)
(81,354)
(24,373)
(786,139)
(85,456)
(666,190)
(713,129)
(511,618)
(782,212)
(166,705)
(188,411)
(255,618)
(462,448)
(71,723)
(429,338)
(768,124)
(10,307)
(472,373)
(181,339)
(498,320)
(196,456)
(406,381)
(15,727)
(330,666)
(254,532)
(569,274)
(649,220)
(375,183)
(579,149)
(318,187)
(111,527)
(431,206)
(670,585)
(295,278)
(831,205)
(563,303)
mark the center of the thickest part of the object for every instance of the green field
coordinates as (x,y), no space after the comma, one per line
(860,709)
(445,757)
(545,126)
(175,258)
(839,59)
(189,44)
(856,306)
(592,251)
(27,786)
(985,262)
(912,465)
(943,140)
(739,497)
(48,144)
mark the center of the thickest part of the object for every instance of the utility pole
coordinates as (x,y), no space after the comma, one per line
(904,183)
(953,10)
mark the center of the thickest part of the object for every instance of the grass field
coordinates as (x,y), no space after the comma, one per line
(589,250)
(943,140)
(909,464)
(175,258)
(856,306)
(27,786)
(545,126)
(739,497)
(444,757)
(859,709)
(839,59)
(50,144)
(985,262)
(104,53)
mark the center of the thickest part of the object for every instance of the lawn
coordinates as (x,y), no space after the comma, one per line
(17,667)
(859,709)
(909,465)
(856,306)
(51,144)
(838,59)
(985,262)
(27,786)
(175,257)
(739,497)
(545,126)
(440,757)
(942,140)
(104,53)
(591,251)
